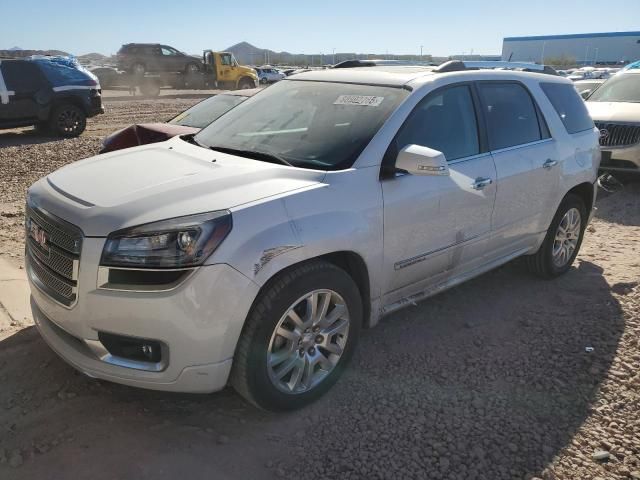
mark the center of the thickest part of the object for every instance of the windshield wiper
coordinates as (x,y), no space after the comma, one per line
(265,156)
(190,137)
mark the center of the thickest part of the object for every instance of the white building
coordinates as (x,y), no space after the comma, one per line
(584,48)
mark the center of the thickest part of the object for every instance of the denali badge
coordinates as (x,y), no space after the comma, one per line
(39,235)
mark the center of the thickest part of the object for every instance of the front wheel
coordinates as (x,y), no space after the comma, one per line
(299,336)
(246,84)
(263,80)
(562,241)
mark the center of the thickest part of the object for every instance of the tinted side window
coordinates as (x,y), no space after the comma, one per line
(444,121)
(22,77)
(569,105)
(510,113)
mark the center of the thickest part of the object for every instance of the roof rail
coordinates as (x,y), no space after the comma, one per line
(462,65)
(375,62)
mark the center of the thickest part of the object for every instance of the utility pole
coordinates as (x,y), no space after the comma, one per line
(334,57)
(421,52)
(595,58)
(544,45)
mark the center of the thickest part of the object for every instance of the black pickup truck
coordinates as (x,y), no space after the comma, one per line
(51,93)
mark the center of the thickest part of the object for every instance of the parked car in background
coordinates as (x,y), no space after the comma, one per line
(268,74)
(190,121)
(140,58)
(615,109)
(54,94)
(257,250)
(586,87)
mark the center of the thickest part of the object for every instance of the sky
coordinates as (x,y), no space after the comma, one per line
(444,27)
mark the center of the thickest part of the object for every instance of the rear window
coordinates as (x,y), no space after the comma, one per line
(511,115)
(569,106)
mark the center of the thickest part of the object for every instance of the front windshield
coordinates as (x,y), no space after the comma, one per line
(619,88)
(205,112)
(309,124)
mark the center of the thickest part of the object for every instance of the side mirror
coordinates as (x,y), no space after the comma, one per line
(419,160)
(585,93)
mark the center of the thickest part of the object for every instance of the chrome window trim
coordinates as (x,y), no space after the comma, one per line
(523,145)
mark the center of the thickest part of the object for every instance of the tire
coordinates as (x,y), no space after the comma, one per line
(192,68)
(263,80)
(258,380)
(67,120)
(544,263)
(138,69)
(246,84)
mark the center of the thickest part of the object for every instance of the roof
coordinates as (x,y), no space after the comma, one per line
(395,76)
(573,35)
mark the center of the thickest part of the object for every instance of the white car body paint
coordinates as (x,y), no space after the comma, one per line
(416,235)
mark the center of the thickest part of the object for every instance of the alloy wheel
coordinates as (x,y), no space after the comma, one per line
(567,237)
(69,121)
(308,341)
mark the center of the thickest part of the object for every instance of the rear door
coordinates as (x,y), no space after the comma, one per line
(24,91)
(527,163)
(435,226)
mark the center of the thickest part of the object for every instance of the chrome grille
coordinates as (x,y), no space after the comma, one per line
(618,134)
(53,266)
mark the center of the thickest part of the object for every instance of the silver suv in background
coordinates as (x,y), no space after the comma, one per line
(255,251)
(615,109)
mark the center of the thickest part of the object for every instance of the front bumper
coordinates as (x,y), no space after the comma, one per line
(199,322)
(621,159)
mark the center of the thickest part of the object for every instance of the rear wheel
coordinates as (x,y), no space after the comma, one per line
(67,120)
(562,241)
(299,336)
(138,69)
(263,80)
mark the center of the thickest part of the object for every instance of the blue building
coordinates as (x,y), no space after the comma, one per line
(584,48)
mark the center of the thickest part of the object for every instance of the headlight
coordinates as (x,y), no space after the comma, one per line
(174,243)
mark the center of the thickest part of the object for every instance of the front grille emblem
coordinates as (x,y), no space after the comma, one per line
(604,134)
(39,236)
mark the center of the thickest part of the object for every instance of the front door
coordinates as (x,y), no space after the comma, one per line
(435,226)
(226,68)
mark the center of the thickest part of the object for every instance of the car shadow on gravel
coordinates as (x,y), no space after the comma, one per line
(25,137)
(488,380)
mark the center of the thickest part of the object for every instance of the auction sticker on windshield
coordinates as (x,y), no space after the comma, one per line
(362,100)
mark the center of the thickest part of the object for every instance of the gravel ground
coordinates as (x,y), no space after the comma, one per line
(504,377)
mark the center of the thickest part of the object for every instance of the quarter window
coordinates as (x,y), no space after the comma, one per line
(511,115)
(444,121)
(569,106)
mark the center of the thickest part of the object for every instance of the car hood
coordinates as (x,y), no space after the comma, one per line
(165,180)
(614,111)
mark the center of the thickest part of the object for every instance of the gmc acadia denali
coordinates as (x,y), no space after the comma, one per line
(254,251)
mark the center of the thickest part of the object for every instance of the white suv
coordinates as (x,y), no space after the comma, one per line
(255,251)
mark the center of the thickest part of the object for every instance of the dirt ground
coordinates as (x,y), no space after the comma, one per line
(504,377)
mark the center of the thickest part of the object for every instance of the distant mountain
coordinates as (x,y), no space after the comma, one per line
(248,54)
(16,52)
(92,58)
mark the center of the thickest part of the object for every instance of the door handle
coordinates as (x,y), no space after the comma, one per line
(481,182)
(549,164)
